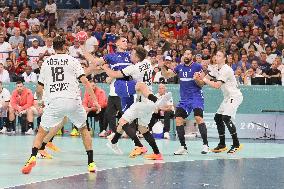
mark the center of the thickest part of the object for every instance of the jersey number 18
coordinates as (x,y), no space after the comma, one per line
(57,73)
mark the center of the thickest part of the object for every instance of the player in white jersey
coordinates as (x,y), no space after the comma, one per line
(5,49)
(141,71)
(59,79)
(225,79)
(4,103)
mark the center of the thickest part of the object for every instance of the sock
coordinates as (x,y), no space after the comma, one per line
(181,133)
(236,142)
(30,125)
(137,141)
(90,156)
(51,139)
(203,132)
(151,141)
(222,140)
(43,146)
(152,98)
(130,130)
(116,138)
(34,151)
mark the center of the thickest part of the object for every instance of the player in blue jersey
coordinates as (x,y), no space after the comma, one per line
(191,99)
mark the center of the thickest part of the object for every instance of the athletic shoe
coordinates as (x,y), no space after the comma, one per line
(234,149)
(74,132)
(181,151)
(219,148)
(138,151)
(205,149)
(163,101)
(103,134)
(3,130)
(110,137)
(44,155)
(59,132)
(92,167)
(51,146)
(154,157)
(167,135)
(114,148)
(29,165)
(30,132)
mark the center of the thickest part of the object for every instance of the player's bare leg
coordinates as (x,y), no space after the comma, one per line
(87,141)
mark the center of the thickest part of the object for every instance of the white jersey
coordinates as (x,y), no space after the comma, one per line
(229,85)
(5,49)
(33,54)
(59,75)
(140,72)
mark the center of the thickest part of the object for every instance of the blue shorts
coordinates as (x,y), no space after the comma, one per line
(125,88)
(126,102)
(191,104)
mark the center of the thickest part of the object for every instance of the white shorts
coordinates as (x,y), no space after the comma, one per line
(57,109)
(141,110)
(229,106)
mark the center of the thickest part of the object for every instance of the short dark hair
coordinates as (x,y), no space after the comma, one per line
(58,43)
(19,82)
(141,53)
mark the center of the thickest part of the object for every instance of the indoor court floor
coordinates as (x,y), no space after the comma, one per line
(260,164)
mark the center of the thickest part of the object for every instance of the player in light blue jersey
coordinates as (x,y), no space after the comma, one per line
(191,99)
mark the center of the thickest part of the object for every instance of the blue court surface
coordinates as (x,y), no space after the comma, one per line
(258,165)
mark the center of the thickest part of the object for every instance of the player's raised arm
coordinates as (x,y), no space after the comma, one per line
(197,80)
(166,72)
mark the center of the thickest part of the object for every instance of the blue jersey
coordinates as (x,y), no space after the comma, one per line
(188,88)
(118,61)
(124,88)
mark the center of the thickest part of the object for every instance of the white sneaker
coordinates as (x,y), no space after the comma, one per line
(103,134)
(181,151)
(163,101)
(3,130)
(30,132)
(205,149)
(114,148)
(110,137)
(167,135)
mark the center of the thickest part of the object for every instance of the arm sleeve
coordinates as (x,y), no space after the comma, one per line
(30,100)
(176,70)
(13,101)
(130,70)
(86,99)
